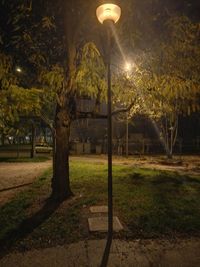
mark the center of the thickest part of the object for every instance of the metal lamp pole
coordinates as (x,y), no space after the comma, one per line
(109,14)
(104,262)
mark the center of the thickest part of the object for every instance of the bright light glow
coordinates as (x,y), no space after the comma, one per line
(128,66)
(108,12)
(18,69)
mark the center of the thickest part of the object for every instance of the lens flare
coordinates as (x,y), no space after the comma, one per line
(128,66)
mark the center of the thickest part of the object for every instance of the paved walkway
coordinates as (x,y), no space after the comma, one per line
(139,253)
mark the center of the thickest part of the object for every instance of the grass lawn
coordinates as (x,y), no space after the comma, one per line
(150,203)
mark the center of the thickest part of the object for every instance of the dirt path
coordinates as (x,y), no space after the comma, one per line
(15,176)
(189,165)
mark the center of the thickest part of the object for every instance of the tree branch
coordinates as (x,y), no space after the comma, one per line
(90,115)
(96,115)
(47,122)
(122,110)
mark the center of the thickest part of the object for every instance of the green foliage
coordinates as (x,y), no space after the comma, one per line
(6,77)
(47,22)
(53,41)
(165,76)
(16,102)
(53,79)
(90,78)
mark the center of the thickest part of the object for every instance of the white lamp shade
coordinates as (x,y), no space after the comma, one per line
(108,12)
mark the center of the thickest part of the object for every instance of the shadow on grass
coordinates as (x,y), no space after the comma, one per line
(134,178)
(27,226)
(176,179)
(166,179)
(170,215)
(160,203)
(162,178)
(137,177)
(14,187)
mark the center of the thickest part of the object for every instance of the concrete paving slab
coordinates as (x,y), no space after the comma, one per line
(88,253)
(100,224)
(99,209)
(95,256)
(71,256)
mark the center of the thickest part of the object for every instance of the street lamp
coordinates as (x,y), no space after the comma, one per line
(18,69)
(109,14)
(128,66)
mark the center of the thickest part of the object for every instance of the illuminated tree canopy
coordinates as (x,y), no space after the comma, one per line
(61,49)
(164,79)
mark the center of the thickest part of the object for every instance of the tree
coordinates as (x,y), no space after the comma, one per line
(14,100)
(59,64)
(52,40)
(166,77)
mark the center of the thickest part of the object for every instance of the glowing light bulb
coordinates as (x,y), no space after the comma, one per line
(18,69)
(128,66)
(107,12)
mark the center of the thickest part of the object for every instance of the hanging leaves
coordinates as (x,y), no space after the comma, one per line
(47,22)
(90,77)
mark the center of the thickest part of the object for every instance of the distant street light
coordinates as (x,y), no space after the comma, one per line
(18,69)
(127,66)
(109,14)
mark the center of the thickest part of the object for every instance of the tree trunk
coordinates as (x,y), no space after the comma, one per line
(169,155)
(170,145)
(2,139)
(33,152)
(17,146)
(60,182)
(53,151)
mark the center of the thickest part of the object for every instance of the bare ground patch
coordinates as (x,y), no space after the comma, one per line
(14,177)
